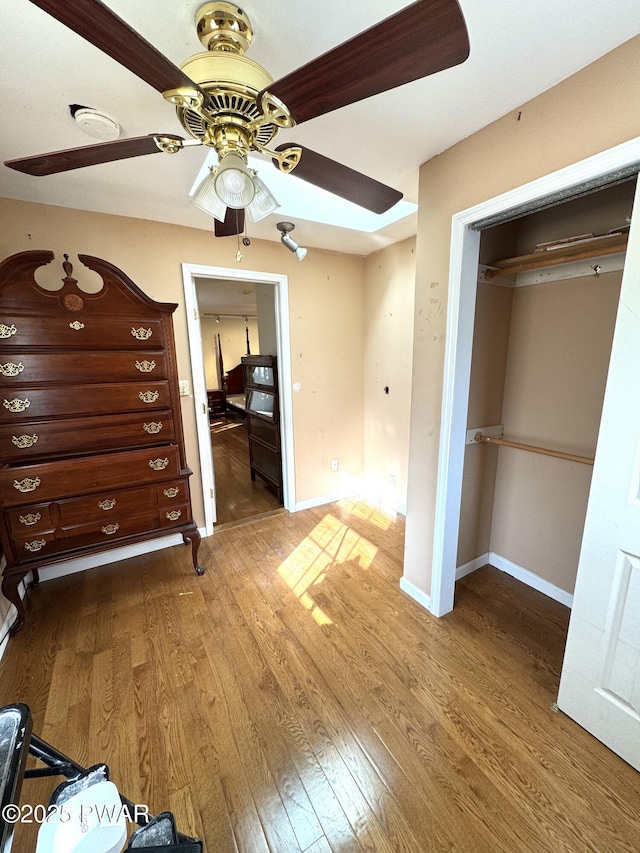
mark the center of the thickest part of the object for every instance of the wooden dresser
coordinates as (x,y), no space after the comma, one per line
(91,447)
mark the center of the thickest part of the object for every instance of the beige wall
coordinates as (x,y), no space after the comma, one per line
(590,112)
(326,303)
(390,278)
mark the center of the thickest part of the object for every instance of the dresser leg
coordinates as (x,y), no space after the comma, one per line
(194,537)
(10,585)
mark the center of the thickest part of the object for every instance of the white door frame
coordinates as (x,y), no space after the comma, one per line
(463,274)
(281,293)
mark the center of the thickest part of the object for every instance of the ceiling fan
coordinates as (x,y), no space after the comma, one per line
(230,103)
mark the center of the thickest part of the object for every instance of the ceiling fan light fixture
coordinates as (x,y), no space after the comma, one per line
(206,198)
(263,202)
(233,182)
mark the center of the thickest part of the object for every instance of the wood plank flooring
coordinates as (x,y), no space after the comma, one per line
(294,699)
(237,495)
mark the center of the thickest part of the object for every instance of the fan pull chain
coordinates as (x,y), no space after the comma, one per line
(239,255)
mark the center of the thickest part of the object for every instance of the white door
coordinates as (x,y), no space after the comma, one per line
(600,683)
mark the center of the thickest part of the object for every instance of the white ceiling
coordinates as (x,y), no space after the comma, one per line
(518,49)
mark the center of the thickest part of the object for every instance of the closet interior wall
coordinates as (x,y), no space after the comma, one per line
(539,367)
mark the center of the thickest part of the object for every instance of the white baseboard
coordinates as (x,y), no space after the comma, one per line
(472,566)
(532,580)
(416,593)
(319,501)
(353,487)
(517,572)
(103,558)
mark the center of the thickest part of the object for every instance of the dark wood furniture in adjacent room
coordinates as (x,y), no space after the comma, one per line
(263,422)
(91,447)
(217,404)
(234,380)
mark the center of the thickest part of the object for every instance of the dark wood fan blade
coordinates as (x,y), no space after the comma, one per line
(92,20)
(341,180)
(233,223)
(423,38)
(89,155)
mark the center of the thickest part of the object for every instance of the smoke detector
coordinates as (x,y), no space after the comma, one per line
(96,124)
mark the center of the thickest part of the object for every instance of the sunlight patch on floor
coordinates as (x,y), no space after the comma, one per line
(330,542)
(221,427)
(382,518)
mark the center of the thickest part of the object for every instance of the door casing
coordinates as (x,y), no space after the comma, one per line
(280,284)
(463,275)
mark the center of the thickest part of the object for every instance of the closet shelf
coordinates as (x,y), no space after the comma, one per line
(610,245)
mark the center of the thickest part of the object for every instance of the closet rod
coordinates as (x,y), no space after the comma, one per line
(487,439)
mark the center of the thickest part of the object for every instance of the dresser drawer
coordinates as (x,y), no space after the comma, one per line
(30,520)
(78,330)
(139,396)
(106,531)
(25,441)
(105,506)
(35,546)
(174,515)
(46,481)
(20,368)
(172,493)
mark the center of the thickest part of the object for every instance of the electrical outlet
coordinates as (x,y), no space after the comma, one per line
(334,464)
(184,387)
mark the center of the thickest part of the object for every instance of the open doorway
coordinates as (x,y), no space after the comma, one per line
(271,299)
(237,322)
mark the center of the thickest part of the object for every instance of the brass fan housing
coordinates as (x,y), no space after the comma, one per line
(231,81)
(223,26)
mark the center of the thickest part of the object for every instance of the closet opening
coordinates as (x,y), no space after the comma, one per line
(546,306)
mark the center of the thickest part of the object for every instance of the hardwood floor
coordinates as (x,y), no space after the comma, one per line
(294,699)
(237,496)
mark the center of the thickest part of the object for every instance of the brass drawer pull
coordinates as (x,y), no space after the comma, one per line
(77,325)
(7,331)
(145,366)
(26,485)
(107,503)
(171,492)
(110,529)
(16,405)
(24,441)
(174,515)
(11,369)
(153,428)
(158,464)
(36,545)
(141,334)
(149,396)
(30,518)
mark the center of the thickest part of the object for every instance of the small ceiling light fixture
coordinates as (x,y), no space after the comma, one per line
(233,184)
(285,237)
(94,123)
